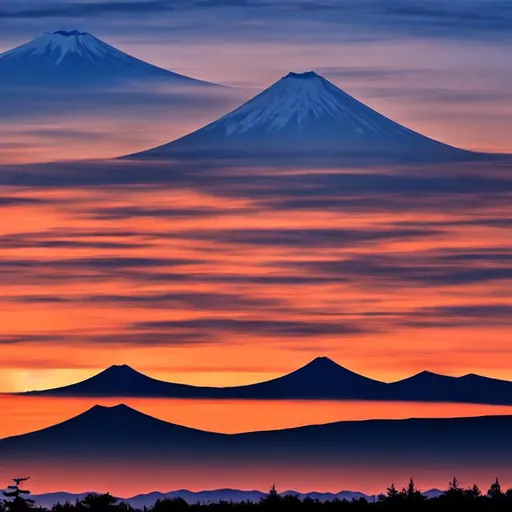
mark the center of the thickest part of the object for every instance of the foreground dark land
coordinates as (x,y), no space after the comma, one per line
(454,497)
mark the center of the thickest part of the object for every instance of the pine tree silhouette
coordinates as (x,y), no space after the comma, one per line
(474,492)
(495,491)
(17,502)
(413,494)
(99,502)
(393,493)
(273,499)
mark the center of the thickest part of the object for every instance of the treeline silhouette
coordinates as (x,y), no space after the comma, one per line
(454,498)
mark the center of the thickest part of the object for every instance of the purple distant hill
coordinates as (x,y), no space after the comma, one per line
(322,378)
(209,496)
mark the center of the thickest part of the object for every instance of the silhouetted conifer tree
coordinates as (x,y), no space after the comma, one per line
(291,502)
(474,492)
(17,497)
(454,485)
(412,494)
(495,491)
(410,499)
(393,493)
(454,491)
(99,502)
(67,507)
(273,499)
(174,505)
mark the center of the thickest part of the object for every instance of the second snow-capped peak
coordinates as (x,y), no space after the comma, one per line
(303,102)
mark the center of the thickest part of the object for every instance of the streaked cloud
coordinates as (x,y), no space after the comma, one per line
(438,18)
(387,269)
(402,263)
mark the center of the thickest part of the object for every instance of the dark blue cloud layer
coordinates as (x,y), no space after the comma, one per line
(369,18)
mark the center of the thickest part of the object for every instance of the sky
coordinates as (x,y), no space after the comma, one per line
(233,275)
(213,274)
(385,272)
(436,66)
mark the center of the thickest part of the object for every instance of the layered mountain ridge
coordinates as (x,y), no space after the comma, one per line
(105,438)
(140,501)
(321,378)
(121,441)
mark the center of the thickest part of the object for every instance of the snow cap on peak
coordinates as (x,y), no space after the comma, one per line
(70,56)
(54,47)
(70,33)
(307,75)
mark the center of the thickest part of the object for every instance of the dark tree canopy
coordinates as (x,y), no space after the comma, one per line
(409,499)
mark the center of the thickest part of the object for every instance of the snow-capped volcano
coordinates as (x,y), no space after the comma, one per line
(74,57)
(307,103)
(303,113)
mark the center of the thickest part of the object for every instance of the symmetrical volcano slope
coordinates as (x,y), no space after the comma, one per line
(303,113)
(64,58)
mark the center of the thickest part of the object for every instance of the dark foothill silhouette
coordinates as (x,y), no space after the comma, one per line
(320,379)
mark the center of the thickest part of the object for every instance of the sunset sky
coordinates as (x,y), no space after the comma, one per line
(225,272)
(437,66)
(227,276)
(242,281)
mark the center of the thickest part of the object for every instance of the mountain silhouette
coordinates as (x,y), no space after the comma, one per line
(428,386)
(139,501)
(305,114)
(48,500)
(321,378)
(117,430)
(121,380)
(148,500)
(120,435)
(110,427)
(124,381)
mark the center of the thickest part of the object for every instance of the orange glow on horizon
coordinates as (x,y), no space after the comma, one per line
(25,414)
(99,302)
(126,482)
